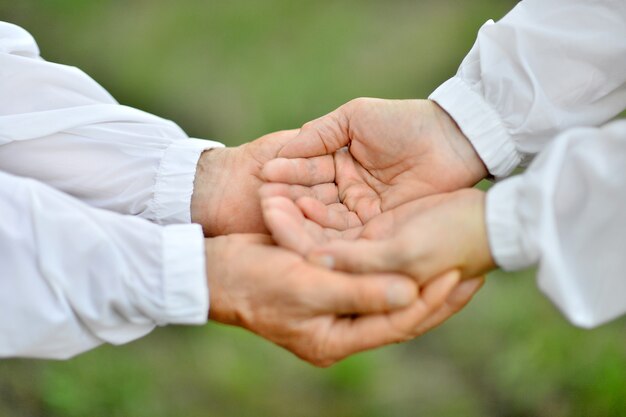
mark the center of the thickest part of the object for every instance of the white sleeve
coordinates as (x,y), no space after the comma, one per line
(73,277)
(547,66)
(59,126)
(566,214)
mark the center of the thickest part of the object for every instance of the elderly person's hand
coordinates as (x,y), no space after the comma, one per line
(225,197)
(320,315)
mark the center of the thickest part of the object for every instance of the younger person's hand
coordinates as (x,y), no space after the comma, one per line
(321,316)
(379,153)
(422,239)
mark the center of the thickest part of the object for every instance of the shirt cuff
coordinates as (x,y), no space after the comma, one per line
(185,289)
(174,181)
(508,240)
(480,123)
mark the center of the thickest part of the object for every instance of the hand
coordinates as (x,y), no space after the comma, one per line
(225,197)
(321,316)
(398,150)
(422,239)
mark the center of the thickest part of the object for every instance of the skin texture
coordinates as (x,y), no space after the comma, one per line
(226,187)
(421,239)
(380,154)
(320,315)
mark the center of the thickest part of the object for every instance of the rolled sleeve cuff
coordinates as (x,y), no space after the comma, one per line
(480,123)
(175,178)
(185,289)
(507,241)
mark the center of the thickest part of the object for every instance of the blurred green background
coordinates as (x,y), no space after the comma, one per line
(232,71)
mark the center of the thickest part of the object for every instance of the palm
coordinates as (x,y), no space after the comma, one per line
(368,187)
(292,229)
(240,197)
(300,226)
(226,194)
(399,150)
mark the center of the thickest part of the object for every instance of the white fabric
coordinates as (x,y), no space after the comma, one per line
(546,67)
(62,128)
(567,213)
(72,275)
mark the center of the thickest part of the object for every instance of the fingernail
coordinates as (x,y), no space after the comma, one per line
(399,295)
(325,261)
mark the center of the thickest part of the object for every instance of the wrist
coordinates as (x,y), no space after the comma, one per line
(510,236)
(479,259)
(459,144)
(217,254)
(209,187)
(480,123)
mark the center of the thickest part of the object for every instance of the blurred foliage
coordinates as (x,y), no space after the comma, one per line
(234,70)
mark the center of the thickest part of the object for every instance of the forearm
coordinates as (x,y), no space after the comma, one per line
(565,214)
(60,127)
(545,67)
(74,277)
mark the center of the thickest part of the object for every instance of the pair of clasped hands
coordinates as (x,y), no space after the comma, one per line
(355,231)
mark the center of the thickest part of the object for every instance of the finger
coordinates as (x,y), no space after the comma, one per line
(319,137)
(303,171)
(349,336)
(255,238)
(338,207)
(435,293)
(289,227)
(341,294)
(458,299)
(335,216)
(359,255)
(326,193)
(281,137)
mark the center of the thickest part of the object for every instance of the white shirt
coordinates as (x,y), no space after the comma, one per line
(73,275)
(90,194)
(527,87)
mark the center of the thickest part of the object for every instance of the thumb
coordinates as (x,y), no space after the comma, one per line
(360,256)
(365,294)
(457,299)
(287,224)
(319,137)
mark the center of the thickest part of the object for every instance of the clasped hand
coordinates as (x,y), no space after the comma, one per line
(381,239)
(400,170)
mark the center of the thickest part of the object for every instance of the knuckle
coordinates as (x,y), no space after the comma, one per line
(383,256)
(311,169)
(318,358)
(403,254)
(308,125)
(402,332)
(322,362)
(359,102)
(322,352)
